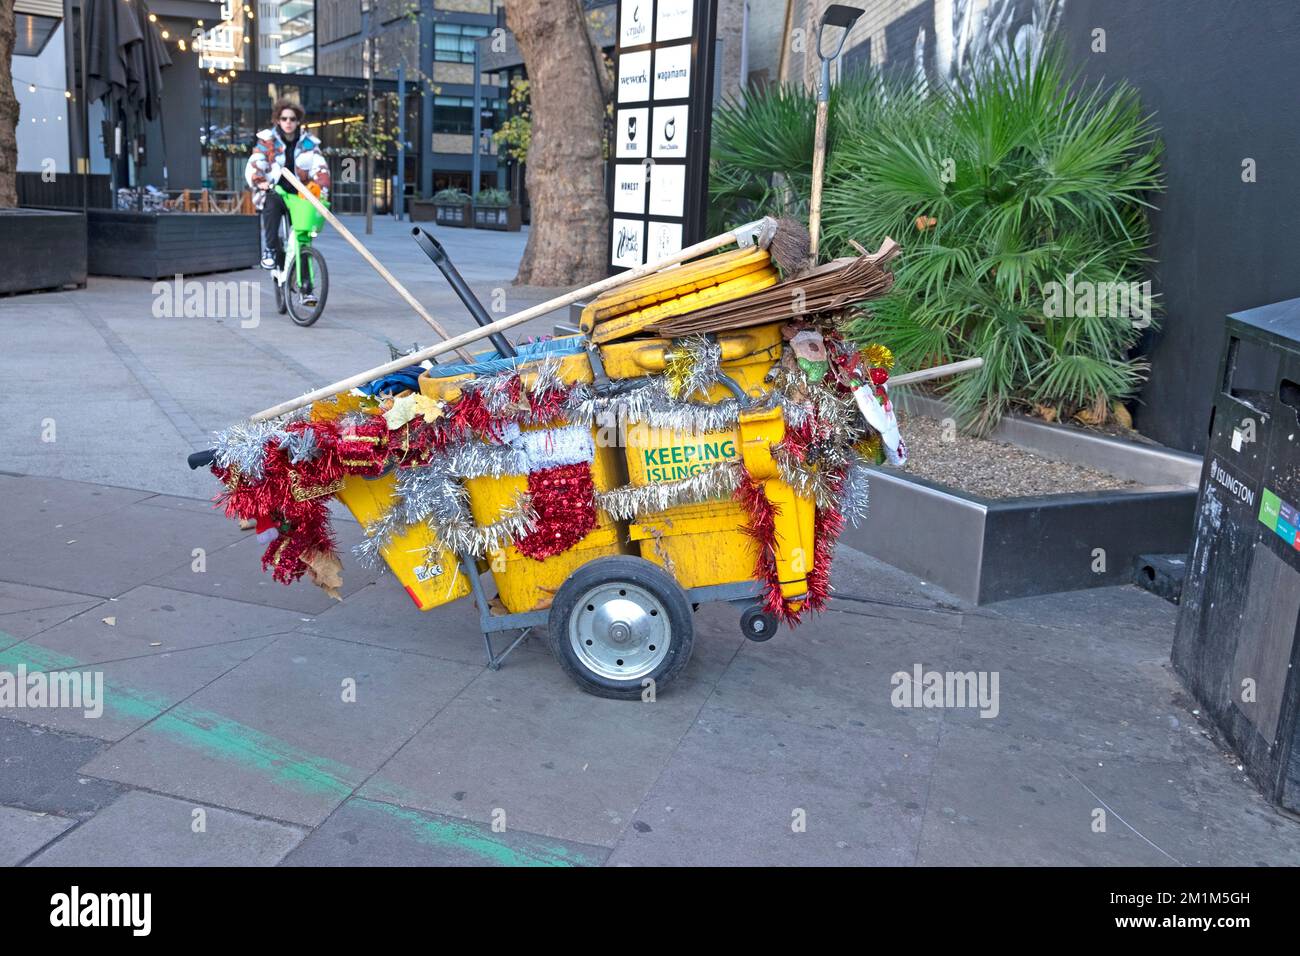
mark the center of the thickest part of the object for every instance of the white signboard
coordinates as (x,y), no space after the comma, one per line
(670,131)
(635,20)
(634,77)
(665,239)
(633,131)
(629,188)
(628,248)
(672,72)
(667,190)
(657,174)
(674,21)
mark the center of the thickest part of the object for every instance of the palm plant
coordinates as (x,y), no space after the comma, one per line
(762,146)
(1004,189)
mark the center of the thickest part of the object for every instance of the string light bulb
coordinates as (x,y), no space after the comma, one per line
(153,18)
(166,35)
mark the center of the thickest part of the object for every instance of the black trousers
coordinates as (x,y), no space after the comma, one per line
(273,211)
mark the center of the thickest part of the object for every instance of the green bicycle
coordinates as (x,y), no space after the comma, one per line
(303,282)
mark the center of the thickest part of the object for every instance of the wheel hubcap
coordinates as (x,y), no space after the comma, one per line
(619,631)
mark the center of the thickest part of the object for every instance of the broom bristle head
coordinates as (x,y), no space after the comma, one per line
(790,247)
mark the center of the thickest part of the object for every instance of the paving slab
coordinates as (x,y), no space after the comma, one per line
(1238,827)
(835,671)
(235,573)
(1141,611)
(23,832)
(749,791)
(371,833)
(145,829)
(40,770)
(27,610)
(134,691)
(996,800)
(275,737)
(381,613)
(525,740)
(855,575)
(44,508)
(155,620)
(1071,687)
(115,551)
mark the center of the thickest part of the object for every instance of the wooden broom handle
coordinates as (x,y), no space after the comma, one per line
(818,171)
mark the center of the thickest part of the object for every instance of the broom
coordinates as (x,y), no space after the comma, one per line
(784,240)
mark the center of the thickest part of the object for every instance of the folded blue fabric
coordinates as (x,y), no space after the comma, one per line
(400,381)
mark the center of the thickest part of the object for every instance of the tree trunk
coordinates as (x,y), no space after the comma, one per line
(569,239)
(8,110)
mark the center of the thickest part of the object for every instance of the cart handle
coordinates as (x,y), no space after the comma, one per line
(201,459)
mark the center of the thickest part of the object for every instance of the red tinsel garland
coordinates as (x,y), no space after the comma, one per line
(565,501)
(292,498)
(827,525)
(761,527)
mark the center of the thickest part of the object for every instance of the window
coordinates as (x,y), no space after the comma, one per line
(454,42)
(455,114)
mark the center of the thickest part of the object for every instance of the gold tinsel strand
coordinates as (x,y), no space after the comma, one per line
(878,356)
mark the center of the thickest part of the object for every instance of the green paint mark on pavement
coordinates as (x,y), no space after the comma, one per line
(473,838)
(222,738)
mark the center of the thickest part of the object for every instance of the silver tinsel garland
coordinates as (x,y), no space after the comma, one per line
(243,446)
(702,358)
(634,501)
(433,494)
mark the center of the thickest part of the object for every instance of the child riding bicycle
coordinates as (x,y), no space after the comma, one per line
(285,144)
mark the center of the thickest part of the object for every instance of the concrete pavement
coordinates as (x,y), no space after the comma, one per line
(227,735)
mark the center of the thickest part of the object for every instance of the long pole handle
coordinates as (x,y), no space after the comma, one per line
(366,254)
(938,371)
(760,231)
(818,169)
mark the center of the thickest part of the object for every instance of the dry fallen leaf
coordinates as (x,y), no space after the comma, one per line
(326,572)
(1122,416)
(111,621)
(247,524)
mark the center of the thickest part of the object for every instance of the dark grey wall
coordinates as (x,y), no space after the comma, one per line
(1223,79)
(181,114)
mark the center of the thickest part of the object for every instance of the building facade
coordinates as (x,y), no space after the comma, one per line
(323,52)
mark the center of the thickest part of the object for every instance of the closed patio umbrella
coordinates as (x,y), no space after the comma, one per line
(124,62)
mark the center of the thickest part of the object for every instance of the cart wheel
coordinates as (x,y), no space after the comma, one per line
(618,622)
(756,624)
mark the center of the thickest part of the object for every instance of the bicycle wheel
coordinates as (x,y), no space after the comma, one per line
(307,277)
(281,306)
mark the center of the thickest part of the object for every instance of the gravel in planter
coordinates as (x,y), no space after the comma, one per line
(993,469)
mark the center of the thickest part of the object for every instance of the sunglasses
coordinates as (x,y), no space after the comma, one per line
(290,118)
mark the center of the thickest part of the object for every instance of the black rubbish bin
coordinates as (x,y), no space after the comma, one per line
(1236,644)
